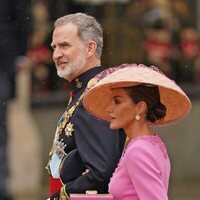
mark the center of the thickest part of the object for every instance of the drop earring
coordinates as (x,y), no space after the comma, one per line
(137,117)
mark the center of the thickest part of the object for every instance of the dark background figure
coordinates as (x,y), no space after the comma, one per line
(14,23)
(189,52)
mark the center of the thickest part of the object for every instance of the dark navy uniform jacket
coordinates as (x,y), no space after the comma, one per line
(93,147)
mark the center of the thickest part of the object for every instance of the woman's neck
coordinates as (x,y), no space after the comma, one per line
(138,129)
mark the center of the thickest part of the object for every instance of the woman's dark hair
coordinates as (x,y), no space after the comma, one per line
(150,94)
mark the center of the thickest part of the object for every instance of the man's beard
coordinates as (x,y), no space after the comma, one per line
(72,70)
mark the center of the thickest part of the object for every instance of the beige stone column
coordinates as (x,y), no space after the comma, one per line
(24,144)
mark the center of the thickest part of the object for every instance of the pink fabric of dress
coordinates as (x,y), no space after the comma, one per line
(143,171)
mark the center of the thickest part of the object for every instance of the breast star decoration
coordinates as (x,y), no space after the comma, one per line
(69,129)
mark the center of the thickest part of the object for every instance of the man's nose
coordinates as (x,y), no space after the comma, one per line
(57,53)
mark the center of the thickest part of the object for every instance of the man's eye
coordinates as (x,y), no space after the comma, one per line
(65,45)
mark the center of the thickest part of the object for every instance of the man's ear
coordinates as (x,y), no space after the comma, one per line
(92,46)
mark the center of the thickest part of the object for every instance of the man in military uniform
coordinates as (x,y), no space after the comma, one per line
(85,150)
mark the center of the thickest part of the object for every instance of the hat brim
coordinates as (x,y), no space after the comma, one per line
(98,98)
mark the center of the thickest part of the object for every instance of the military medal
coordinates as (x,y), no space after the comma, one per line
(60,149)
(65,125)
(69,129)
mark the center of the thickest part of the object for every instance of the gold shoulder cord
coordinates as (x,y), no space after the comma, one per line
(63,194)
(67,115)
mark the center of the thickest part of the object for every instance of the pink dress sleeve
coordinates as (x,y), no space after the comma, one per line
(145,164)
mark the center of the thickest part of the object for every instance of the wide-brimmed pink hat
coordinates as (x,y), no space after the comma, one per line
(98,95)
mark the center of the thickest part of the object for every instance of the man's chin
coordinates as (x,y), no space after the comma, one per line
(62,75)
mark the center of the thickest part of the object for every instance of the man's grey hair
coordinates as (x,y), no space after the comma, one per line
(87,26)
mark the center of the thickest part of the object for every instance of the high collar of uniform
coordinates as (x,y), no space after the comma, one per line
(81,81)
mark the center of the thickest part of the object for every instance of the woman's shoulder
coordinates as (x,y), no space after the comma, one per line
(145,139)
(146,145)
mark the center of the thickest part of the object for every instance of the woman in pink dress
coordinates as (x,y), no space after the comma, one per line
(136,97)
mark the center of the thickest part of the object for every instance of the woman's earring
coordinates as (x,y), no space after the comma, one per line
(137,117)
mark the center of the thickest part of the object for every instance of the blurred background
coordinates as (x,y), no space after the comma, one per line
(164,33)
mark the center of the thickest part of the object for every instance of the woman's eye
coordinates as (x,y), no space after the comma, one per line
(117,101)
